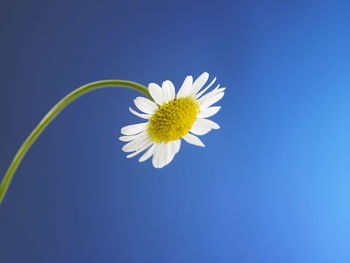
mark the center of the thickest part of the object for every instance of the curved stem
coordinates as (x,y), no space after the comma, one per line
(52,114)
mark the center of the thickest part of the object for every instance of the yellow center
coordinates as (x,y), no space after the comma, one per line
(173,120)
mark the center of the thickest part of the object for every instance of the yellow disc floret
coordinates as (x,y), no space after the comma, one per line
(173,120)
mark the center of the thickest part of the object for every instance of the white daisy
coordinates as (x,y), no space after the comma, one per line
(170,118)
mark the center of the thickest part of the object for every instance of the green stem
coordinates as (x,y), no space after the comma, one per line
(52,114)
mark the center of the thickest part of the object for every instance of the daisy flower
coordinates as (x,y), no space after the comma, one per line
(170,118)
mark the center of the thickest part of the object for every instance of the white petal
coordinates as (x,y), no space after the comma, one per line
(207,123)
(177,145)
(204,90)
(203,126)
(192,139)
(155,155)
(143,116)
(136,144)
(199,130)
(208,112)
(220,90)
(130,146)
(139,150)
(186,88)
(207,103)
(168,91)
(210,94)
(171,148)
(165,155)
(130,137)
(156,93)
(158,155)
(145,105)
(147,154)
(199,83)
(161,155)
(134,129)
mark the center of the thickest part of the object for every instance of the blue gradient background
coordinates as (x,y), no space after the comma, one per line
(272,185)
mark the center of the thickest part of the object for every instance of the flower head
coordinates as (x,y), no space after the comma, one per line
(171,117)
